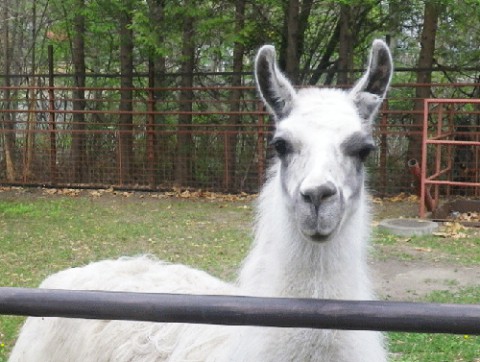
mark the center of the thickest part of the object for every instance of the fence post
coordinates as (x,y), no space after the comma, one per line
(226,156)
(383,148)
(118,133)
(151,127)
(260,146)
(51,118)
(423,165)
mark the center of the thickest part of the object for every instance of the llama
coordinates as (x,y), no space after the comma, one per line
(310,242)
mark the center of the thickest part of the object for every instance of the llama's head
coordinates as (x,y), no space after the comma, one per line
(322,139)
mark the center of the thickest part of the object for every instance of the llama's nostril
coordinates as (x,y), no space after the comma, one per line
(306,197)
(319,194)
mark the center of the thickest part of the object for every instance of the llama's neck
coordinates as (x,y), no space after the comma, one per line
(282,263)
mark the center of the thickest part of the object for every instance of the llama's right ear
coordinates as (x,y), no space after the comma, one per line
(276,91)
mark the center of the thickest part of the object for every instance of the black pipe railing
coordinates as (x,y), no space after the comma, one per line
(237,310)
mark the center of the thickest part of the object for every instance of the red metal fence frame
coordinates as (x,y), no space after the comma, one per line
(440,138)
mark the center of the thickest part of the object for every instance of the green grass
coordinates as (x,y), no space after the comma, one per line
(463,250)
(423,347)
(43,234)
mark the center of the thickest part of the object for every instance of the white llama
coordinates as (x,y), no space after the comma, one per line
(311,239)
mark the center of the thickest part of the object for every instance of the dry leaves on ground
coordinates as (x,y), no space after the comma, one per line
(111,191)
(174,193)
(453,230)
(469,217)
(402,196)
(63,192)
(208,195)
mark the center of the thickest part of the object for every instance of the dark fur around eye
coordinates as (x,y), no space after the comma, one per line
(281,146)
(358,145)
(364,151)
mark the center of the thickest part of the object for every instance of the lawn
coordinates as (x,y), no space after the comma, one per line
(416,347)
(44,231)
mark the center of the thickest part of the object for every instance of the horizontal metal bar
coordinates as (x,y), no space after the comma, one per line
(439,173)
(440,137)
(138,113)
(451,100)
(247,87)
(140,89)
(236,310)
(452,142)
(429,181)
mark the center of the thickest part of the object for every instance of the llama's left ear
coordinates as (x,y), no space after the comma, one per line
(370,90)
(276,91)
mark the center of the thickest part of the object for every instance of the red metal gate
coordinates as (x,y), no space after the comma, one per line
(451,149)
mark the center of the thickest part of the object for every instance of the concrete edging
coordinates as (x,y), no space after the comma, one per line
(408,227)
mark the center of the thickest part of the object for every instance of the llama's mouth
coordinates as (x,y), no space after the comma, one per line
(315,234)
(319,238)
(314,230)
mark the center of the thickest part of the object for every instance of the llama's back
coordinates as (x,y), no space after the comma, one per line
(62,339)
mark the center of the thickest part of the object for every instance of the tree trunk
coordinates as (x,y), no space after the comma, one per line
(394,24)
(157,19)
(126,93)
(292,59)
(7,120)
(235,99)
(305,10)
(432,12)
(32,105)
(328,52)
(30,132)
(346,46)
(183,159)
(295,23)
(79,149)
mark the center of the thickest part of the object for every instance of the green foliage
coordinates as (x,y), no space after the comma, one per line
(459,51)
(215,35)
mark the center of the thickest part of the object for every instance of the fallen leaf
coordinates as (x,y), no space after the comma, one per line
(452,230)
(96,193)
(427,250)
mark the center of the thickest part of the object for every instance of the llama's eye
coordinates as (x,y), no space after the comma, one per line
(281,146)
(365,151)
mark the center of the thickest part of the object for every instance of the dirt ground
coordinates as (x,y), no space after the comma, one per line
(409,280)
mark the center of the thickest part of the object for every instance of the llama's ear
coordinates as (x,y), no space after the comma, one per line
(276,91)
(370,90)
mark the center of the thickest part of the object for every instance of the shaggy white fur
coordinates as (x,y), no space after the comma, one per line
(60,339)
(310,241)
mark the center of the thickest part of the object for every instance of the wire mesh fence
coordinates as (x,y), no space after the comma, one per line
(56,136)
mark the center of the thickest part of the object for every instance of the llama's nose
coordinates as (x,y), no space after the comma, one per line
(318,194)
